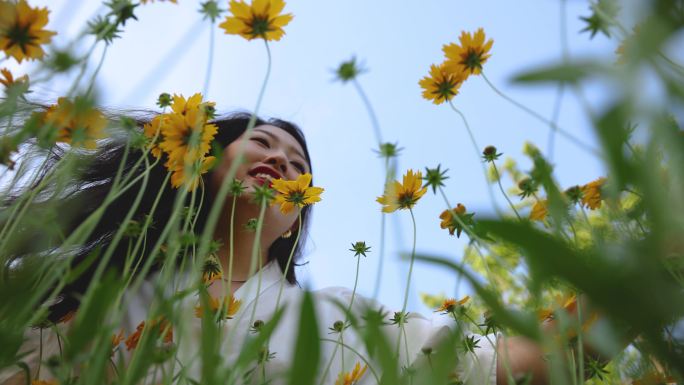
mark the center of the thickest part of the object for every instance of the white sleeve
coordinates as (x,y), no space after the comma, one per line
(476,368)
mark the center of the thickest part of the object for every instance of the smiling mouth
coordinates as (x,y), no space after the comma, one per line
(264,175)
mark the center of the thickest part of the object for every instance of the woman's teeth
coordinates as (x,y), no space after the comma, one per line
(264,176)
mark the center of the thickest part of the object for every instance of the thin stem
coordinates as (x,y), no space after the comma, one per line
(477,154)
(536,115)
(210,62)
(498,181)
(356,282)
(408,284)
(289,259)
(231,252)
(580,347)
(365,361)
(369,108)
(215,211)
(97,70)
(383,230)
(83,69)
(413,257)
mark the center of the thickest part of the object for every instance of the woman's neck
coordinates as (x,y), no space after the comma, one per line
(243,265)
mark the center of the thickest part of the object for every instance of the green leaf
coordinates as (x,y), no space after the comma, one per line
(571,73)
(307,351)
(521,322)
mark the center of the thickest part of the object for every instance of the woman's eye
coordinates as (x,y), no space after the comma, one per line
(299,167)
(262,141)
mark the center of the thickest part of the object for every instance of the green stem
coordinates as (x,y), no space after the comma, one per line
(408,283)
(383,230)
(289,259)
(85,59)
(356,282)
(498,181)
(413,257)
(210,62)
(369,108)
(539,117)
(215,211)
(477,154)
(91,83)
(580,347)
(256,255)
(365,361)
(231,252)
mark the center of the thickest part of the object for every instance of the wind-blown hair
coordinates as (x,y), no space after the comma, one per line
(94,178)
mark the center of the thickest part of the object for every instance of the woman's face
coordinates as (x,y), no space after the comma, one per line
(270,153)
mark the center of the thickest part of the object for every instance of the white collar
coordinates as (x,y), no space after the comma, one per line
(270,275)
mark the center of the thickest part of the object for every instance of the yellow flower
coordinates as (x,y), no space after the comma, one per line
(76,122)
(8,79)
(470,55)
(403,195)
(352,377)
(296,193)
(21,30)
(450,304)
(187,138)
(181,106)
(189,174)
(261,19)
(539,211)
(591,193)
(441,85)
(226,307)
(450,222)
(160,326)
(152,130)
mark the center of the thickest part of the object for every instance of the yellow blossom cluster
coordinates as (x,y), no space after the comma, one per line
(184,136)
(461,60)
(591,198)
(21,30)
(76,122)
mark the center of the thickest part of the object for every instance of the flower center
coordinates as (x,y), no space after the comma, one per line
(19,35)
(260,26)
(445,88)
(296,197)
(472,59)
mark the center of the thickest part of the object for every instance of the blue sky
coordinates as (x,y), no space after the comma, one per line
(396,41)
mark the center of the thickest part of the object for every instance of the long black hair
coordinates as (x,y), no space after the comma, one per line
(94,180)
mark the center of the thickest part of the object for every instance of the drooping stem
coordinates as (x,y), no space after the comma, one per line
(477,153)
(498,181)
(544,120)
(371,112)
(210,62)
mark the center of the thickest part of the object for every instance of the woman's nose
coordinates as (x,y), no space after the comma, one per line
(278,161)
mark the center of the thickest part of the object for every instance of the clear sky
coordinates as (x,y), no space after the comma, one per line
(166,50)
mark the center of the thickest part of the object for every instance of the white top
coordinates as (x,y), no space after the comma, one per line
(420,332)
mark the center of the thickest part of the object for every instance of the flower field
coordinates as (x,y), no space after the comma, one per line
(101,202)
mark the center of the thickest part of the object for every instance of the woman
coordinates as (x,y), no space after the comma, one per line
(353,331)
